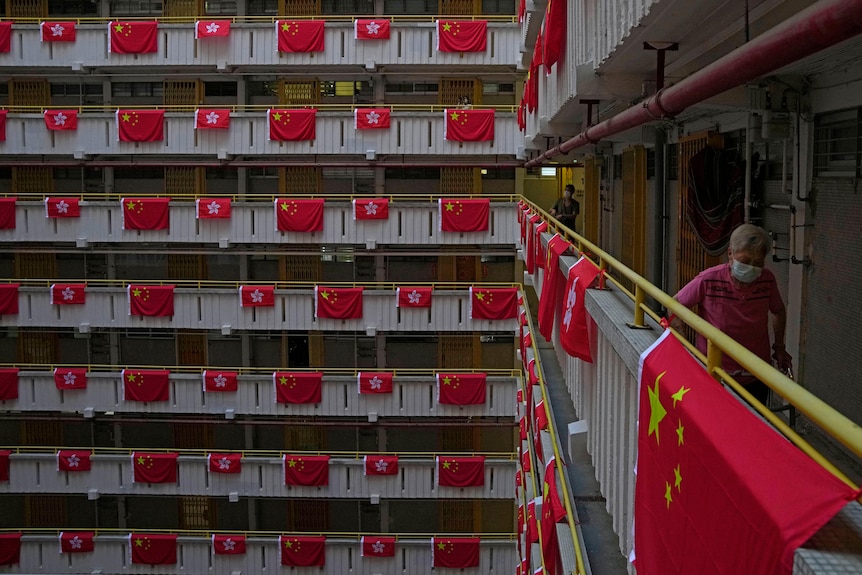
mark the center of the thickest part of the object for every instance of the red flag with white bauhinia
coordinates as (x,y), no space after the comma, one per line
(76,542)
(462,35)
(133,37)
(374,382)
(300,35)
(309,470)
(8,383)
(377,546)
(62,208)
(256,296)
(146,385)
(413,297)
(298,386)
(216,380)
(493,303)
(68,294)
(302,551)
(212,29)
(140,125)
(371,209)
(464,215)
(338,303)
(212,208)
(154,467)
(461,471)
(455,552)
(61,120)
(146,300)
(469,125)
(7,205)
(552,285)
(212,119)
(367,29)
(461,388)
(73,460)
(371,118)
(70,377)
(298,215)
(381,464)
(58,31)
(224,462)
(574,332)
(153,549)
(146,213)
(228,544)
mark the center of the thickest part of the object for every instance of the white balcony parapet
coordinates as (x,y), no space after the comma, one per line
(409,223)
(412,396)
(112,474)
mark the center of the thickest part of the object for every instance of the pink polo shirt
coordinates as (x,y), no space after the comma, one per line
(740,312)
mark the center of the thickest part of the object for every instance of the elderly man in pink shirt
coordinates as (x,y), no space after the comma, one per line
(737,298)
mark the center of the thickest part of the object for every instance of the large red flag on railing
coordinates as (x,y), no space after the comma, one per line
(462,35)
(461,471)
(140,125)
(7,205)
(146,385)
(300,215)
(461,388)
(310,470)
(146,213)
(152,549)
(377,546)
(70,377)
(297,386)
(574,332)
(157,301)
(551,286)
(8,383)
(302,551)
(455,552)
(228,544)
(468,125)
(718,490)
(291,125)
(338,303)
(493,303)
(300,35)
(10,543)
(58,31)
(554,37)
(463,215)
(4,465)
(133,37)
(73,460)
(76,542)
(154,467)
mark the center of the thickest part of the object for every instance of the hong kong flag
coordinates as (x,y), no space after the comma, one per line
(148,385)
(212,29)
(7,205)
(374,382)
(302,551)
(215,380)
(59,120)
(62,208)
(552,285)
(365,29)
(133,37)
(461,388)
(224,462)
(469,125)
(58,31)
(140,125)
(256,296)
(9,299)
(151,549)
(8,383)
(413,297)
(371,209)
(338,303)
(307,470)
(146,213)
(228,544)
(381,465)
(70,377)
(464,215)
(6,39)
(493,303)
(298,215)
(212,208)
(76,542)
(291,125)
(375,546)
(10,544)
(154,467)
(461,471)
(298,386)
(300,35)
(157,301)
(68,294)
(371,118)
(455,552)
(71,460)
(574,333)
(212,119)
(462,35)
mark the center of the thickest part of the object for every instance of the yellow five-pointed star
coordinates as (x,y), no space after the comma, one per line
(282,380)
(139,542)
(447,26)
(454,115)
(127,117)
(447,464)
(441,546)
(130,205)
(285,26)
(288,543)
(276,116)
(480,296)
(679,394)
(668,496)
(292,463)
(140,460)
(284,207)
(677,478)
(324,295)
(450,207)
(679,430)
(137,293)
(657,410)
(118,27)
(447,380)
(131,377)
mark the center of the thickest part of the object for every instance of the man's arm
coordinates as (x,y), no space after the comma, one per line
(779,323)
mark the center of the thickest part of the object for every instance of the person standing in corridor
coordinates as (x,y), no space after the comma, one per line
(566,209)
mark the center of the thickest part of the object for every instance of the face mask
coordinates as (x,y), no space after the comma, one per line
(744,272)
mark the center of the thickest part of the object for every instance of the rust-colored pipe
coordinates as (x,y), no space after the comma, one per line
(820,26)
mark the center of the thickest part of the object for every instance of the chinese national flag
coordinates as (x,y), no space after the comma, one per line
(718,490)
(149,549)
(298,386)
(3,114)
(364,29)
(70,460)
(212,29)
(302,551)
(541,416)
(291,125)
(4,464)
(228,544)
(574,333)
(208,119)
(8,383)
(10,545)
(413,297)
(469,125)
(62,208)
(461,388)
(554,36)
(134,37)
(219,380)
(298,215)
(212,208)
(300,35)
(68,294)
(461,471)
(495,303)
(154,467)
(7,205)
(58,120)
(371,209)
(455,552)
(464,215)
(462,35)
(530,250)
(149,385)
(337,303)
(224,462)
(381,465)
(371,118)
(552,285)
(157,301)
(140,125)
(58,31)
(9,299)
(146,213)
(526,461)
(532,531)
(539,256)
(70,377)
(6,39)
(256,296)
(76,542)
(308,470)
(377,546)
(552,513)
(374,382)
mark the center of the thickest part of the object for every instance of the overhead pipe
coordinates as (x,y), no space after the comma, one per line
(820,26)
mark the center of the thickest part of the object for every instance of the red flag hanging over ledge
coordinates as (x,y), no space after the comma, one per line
(718,490)
(256,296)
(413,297)
(219,380)
(455,552)
(10,547)
(291,125)
(574,332)
(8,383)
(9,299)
(551,286)
(58,31)
(7,205)
(58,120)
(5,36)
(155,301)
(68,294)
(298,386)
(154,467)
(146,385)
(302,551)
(224,462)
(337,303)
(70,377)
(554,37)
(371,209)
(134,37)
(462,35)
(464,215)
(76,542)
(71,460)
(493,303)
(300,35)
(228,544)
(377,29)
(309,470)
(461,388)
(381,465)
(298,215)
(140,125)
(469,125)
(212,29)
(146,213)
(208,119)
(371,118)
(213,208)
(461,471)
(62,208)
(377,546)
(153,549)
(370,383)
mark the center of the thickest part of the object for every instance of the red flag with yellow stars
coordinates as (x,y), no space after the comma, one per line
(146,213)
(296,215)
(140,125)
(297,386)
(463,215)
(455,552)
(553,512)
(156,301)
(718,490)
(300,35)
(302,551)
(554,36)
(338,303)
(291,125)
(151,549)
(154,467)
(146,385)
(552,285)
(133,37)
(461,471)
(462,35)
(493,303)
(309,470)
(461,388)
(469,125)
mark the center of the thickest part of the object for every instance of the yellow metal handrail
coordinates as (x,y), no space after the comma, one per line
(356,455)
(254,198)
(250,108)
(260,19)
(233,285)
(107,531)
